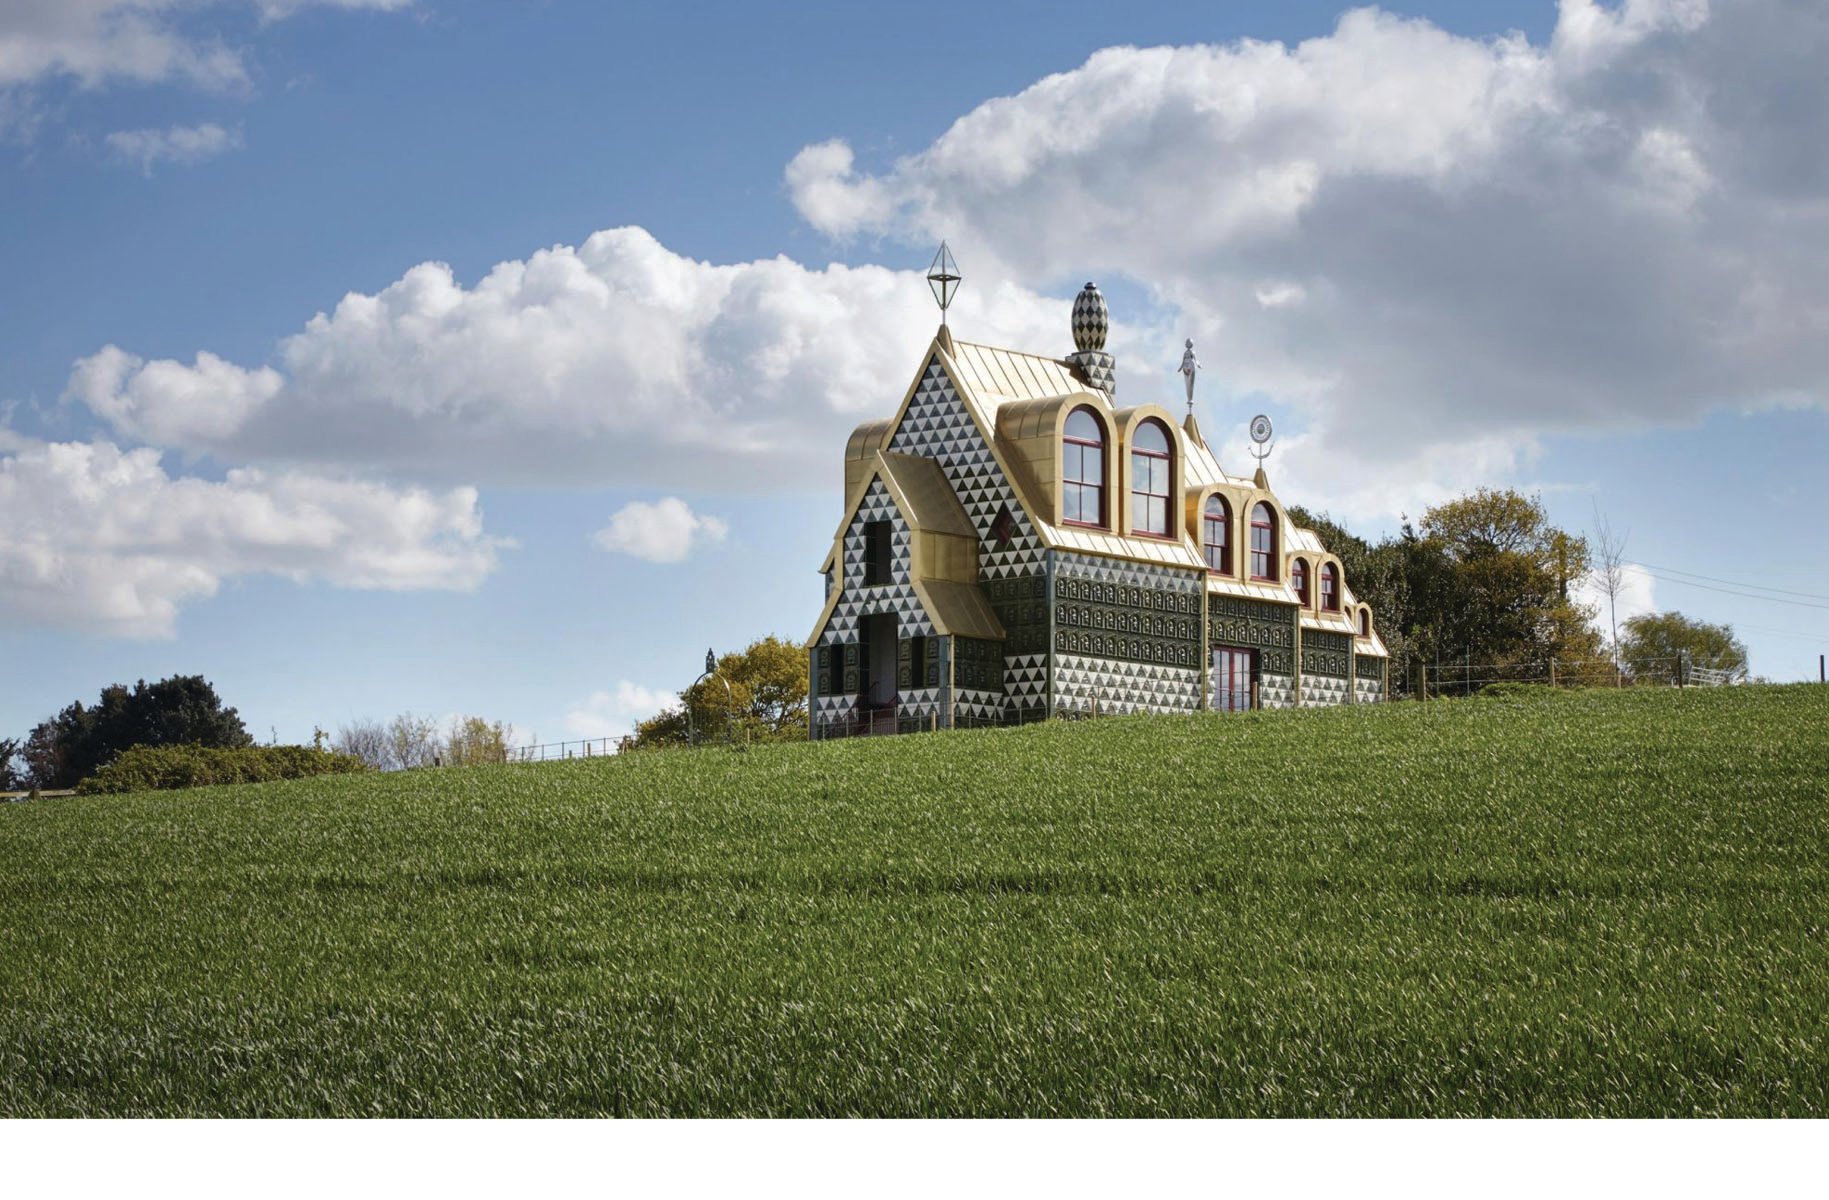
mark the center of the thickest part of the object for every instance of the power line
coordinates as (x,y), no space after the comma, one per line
(1817,638)
(1758,587)
(1731,592)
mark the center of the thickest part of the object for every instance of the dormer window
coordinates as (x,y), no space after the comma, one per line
(1083,469)
(1298,579)
(1150,473)
(1263,543)
(1216,535)
(1330,587)
(1365,622)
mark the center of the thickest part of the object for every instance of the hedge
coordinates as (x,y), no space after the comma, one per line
(157,768)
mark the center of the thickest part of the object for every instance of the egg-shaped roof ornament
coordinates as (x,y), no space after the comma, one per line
(1091,319)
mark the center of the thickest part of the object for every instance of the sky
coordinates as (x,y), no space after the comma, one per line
(370,356)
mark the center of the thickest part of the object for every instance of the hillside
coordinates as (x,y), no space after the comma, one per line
(1612,903)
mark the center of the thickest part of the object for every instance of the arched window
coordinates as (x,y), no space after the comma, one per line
(1149,479)
(1083,469)
(1298,579)
(1216,535)
(1263,543)
(1330,587)
(1365,622)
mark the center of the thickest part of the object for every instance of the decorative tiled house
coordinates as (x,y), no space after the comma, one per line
(1015,545)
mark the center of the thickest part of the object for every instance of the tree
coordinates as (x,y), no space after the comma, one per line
(766,700)
(12,774)
(1609,573)
(1655,641)
(472,740)
(181,710)
(366,739)
(412,742)
(1376,575)
(1490,581)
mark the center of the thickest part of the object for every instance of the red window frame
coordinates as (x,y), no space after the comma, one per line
(1069,455)
(1146,459)
(1298,579)
(1232,672)
(1330,587)
(1263,549)
(1218,553)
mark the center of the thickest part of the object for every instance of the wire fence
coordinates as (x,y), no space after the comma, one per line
(1428,681)
(556,751)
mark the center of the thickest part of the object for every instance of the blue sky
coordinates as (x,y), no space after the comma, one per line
(249,428)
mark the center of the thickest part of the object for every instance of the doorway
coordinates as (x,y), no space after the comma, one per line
(878,676)
(1234,671)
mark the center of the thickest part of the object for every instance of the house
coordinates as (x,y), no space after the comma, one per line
(1016,545)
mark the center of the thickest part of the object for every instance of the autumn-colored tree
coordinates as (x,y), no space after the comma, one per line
(472,740)
(1654,642)
(765,702)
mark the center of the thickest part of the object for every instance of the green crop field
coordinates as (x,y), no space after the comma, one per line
(1593,903)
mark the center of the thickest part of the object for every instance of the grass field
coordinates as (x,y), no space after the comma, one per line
(1594,903)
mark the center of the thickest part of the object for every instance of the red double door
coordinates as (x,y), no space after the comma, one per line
(1232,674)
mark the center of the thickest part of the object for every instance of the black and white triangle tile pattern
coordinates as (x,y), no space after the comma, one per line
(976,706)
(1323,691)
(1276,691)
(1083,684)
(857,601)
(938,426)
(1368,691)
(897,596)
(1098,369)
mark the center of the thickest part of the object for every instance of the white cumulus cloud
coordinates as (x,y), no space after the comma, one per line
(665,531)
(135,41)
(605,714)
(1422,242)
(102,539)
(618,361)
(182,145)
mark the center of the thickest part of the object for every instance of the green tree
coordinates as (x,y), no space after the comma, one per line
(181,710)
(1653,642)
(1376,575)
(766,700)
(12,774)
(1489,585)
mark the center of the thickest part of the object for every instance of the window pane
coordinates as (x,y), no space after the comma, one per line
(1082,424)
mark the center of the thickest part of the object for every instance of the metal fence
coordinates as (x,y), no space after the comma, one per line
(1430,681)
(555,751)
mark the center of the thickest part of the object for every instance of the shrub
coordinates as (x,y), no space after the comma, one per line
(158,768)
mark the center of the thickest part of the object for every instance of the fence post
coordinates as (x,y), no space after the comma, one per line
(1552,672)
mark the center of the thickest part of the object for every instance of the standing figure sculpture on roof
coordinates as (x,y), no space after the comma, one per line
(1189,365)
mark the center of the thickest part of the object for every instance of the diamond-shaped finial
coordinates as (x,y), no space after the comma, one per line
(943,278)
(711,663)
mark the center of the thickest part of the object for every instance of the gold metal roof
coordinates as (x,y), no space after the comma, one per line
(993,374)
(927,500)
(959,608)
